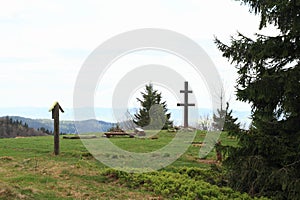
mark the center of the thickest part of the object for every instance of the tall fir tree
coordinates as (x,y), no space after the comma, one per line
(153,112)
(267,159)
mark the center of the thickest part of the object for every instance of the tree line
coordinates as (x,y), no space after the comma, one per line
(14,128)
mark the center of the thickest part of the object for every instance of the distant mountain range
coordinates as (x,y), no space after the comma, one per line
(67,127)
(41,117)
(106,114)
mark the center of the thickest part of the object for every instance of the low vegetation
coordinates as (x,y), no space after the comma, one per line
(185,183)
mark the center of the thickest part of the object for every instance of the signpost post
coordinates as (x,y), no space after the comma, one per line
(55,115)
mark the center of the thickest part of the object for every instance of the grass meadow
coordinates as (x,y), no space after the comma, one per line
(29,170)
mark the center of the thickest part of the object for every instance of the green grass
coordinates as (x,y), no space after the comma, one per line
(144,144)
(29,170)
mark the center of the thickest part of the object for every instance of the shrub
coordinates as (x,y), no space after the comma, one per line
(187,183)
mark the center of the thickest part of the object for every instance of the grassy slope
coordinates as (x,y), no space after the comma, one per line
(28,169)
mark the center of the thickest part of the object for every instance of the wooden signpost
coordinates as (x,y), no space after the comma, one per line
(55,115)
(186,105)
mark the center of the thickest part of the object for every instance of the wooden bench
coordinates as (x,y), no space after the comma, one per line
(80,137)
(110,134)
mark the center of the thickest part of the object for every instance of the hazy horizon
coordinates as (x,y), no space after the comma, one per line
(106,114)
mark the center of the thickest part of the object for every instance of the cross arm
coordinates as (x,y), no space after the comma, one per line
(186,91)
(183,104)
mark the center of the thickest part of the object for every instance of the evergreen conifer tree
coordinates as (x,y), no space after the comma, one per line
(231,126)
(219,117)
(267,159)
(153,112)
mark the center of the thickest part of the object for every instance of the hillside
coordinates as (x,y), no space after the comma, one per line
(10,128)
(64,126)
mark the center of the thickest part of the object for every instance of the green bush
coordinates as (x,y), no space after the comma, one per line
(186,184)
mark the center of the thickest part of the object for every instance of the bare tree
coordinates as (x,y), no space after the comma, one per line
(127,123)
(205,123)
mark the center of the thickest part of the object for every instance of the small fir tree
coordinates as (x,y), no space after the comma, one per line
(219,117)
(153,112)
(231,126)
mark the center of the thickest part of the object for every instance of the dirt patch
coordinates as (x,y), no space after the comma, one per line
(207,161)
(6,158)
(197,144)
(153,137)
(7,192)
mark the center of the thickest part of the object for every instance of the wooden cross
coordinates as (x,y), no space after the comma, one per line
(55,115)
(186,105)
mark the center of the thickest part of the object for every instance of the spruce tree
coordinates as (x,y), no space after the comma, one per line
(231,126)
(267,159)
(152,105)
(219,116)
(224,121)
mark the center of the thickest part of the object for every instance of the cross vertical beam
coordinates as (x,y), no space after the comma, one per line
(186,105)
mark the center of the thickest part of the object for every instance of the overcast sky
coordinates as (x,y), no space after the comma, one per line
(43,44)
